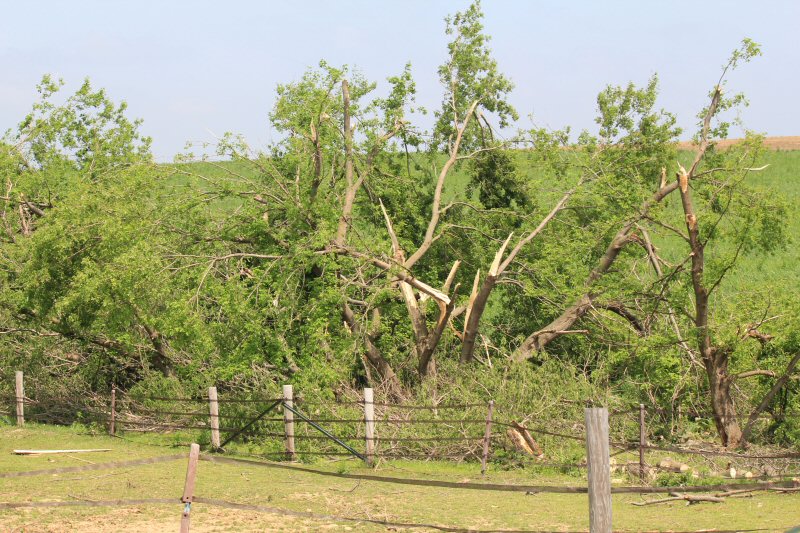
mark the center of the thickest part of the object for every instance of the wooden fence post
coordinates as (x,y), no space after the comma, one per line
(288,421)
(20,388)
(598,462)
(213,408)
(369,424)
(112,421)
(642,442)
(487,437)
(188,486)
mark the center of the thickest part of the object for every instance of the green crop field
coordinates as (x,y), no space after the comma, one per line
(781,179)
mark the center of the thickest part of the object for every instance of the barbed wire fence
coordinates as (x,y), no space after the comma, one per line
(339,428)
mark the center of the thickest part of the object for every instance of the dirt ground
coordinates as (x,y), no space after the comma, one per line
(137,520)
(771,143)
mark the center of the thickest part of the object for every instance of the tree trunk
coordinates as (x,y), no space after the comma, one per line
(428,345)
(539,339)
(317,166)
(722,405)
(376,360)
(350,191)
(715,359)
(474,318)
(478,299)
(767,399)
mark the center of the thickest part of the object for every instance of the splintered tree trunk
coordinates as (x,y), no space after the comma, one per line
(722,406)
(425,339)
(374,356)
(538,340)
(427,346)
(351,190)
(317,167)
(473,320)
(715,359)
(478,298)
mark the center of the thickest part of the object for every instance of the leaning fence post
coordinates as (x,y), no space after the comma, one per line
(288,421)
(598,462)
(642,442)
(487,437)
(213,409)
(20,393)
(112,420)
(188,486)
(369,424)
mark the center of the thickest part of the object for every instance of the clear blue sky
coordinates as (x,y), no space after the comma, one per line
(196,69)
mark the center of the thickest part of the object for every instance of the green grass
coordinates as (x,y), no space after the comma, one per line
(293,490)
(781,178)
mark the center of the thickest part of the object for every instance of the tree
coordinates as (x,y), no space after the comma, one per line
(729,204)
(755,224)
(337,254)
(635,140)
(74,168)
(472,85)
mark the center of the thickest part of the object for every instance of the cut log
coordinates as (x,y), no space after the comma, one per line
(671,465)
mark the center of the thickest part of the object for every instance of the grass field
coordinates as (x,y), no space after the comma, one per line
(308,492)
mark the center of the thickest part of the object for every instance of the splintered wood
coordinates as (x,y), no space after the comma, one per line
(523,441)
(46,452)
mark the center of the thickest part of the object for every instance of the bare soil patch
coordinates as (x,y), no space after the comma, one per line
(771,143)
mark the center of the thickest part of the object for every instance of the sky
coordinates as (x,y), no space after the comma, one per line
(196,69)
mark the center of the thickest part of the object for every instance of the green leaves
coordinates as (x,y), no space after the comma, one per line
(88,131)
(470,75)
(495,177)
(748,50)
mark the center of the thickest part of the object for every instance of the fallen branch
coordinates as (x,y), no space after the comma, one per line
(689,498)
(716,498)
(47,452)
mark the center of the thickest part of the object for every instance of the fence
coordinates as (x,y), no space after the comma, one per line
(365,429)
(475,439)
